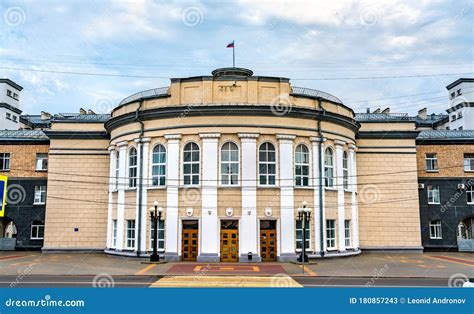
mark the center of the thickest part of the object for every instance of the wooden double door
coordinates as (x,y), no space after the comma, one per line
(229,241)
(268,240)
(190,240)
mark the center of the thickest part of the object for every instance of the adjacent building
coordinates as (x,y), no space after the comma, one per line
(9,104)
(461,112)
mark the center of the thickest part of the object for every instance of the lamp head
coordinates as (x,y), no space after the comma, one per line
(155,203)
(305,203)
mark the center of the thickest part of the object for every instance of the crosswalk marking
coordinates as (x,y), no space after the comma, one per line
(226,281)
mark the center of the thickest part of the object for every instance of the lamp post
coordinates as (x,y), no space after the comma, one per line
(304,215)
(155,214)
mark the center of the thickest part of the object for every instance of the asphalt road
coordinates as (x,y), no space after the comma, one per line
(145,281)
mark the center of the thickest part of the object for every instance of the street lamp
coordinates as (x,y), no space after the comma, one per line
(155,213)
(304,215)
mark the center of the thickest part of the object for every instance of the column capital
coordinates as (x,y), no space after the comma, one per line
(339,143)
(316,139)
(111,148)
(352,147)
(122,145)
(209,135)
(173,136)
(249,135)
(287,137)
(142,140)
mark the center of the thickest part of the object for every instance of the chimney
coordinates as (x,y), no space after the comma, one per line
(386,110)
(82,111)
(45,115)
(90,111)
(377,110)
(423,113)
(368,110)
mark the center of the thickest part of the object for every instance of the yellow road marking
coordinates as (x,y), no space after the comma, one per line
(256,268)
(226,268)
(309,271)
(226,281)
(144,270)
(197,268)
(16,257)
(451,261)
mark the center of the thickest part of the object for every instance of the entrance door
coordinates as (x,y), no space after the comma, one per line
(229,241)
(268,240)
(190,240)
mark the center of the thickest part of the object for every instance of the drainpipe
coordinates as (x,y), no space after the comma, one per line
(140,182)
(321,216)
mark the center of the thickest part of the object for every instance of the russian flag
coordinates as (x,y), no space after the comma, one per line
(230,45)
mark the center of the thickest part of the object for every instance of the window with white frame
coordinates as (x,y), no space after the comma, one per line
(40,194)
(267,164)
(468,162)
(41,162)
(191,164)
(117,169)
(347,233)
(229,164)
(431,160)
(158,166)
(299,235)
(435,229)
(302,165)
(433,194)
(132,167)
(330,234)
(470,194)
(37,230)
(329,168)
(345,171)
(114,232)
(4,161)
(130,234)
(161,236)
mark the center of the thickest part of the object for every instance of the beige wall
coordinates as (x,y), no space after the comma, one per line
(450,160)
(23,160)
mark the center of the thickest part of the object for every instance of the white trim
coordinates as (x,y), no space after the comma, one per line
(275,163)
(221,184)
(191,163)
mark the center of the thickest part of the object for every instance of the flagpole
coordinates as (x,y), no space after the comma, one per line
(233,54)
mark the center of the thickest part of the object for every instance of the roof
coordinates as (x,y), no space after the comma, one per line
(81,117)
(446,134)
(35,121)
(459,81)
(23,135)
(382,117)
(11,83)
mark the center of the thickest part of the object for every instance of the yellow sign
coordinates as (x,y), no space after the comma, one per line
(3,194)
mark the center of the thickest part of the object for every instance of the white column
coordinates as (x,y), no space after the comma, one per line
(209,223)
(122,183)
(112,165)
(143,217)
(353,188)
(172,197)
(316,201)
(323,147)
(249,229)
(287,217)
(340,195)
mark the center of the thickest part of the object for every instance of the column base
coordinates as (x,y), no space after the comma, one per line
(208,258)
(287,257)
(171,257)
(244,258)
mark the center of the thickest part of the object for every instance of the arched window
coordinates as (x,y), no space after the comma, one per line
(191,164)
(132,167)
(328,168)
(302,165)
(158,166)
(345,171)
(229,164)
(267,164)
(117,167)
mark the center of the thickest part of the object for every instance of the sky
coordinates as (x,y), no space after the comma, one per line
(371,54)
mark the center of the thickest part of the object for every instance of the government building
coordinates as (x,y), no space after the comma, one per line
(230,159)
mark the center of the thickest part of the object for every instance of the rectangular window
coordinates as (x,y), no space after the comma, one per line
(40,194)
(9,93)
(15,96)
(459,115)
(37,230)
(299,235)
(470,194)
(435,229)
(130,234)
(330,234)
(459,92)
(114,233)
(14,118)
(8,115)
(161,236)
(431,162)
(347,233)
(460,128)
(453,94)
(41,162)
(433,194)
(453,117)
(4,161)
(468,162)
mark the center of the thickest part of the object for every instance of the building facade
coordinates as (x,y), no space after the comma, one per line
(461,96)
(24,160)
(230,158)
(9,105)
(446,189)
